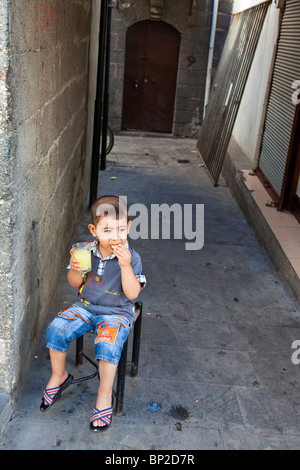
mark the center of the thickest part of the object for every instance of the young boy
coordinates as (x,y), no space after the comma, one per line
(105,304)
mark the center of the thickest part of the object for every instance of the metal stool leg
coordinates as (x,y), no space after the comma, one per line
(79,350)
(121,380)
(79,359)
(136,342)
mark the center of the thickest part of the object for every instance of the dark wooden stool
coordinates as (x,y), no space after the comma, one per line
(119,394)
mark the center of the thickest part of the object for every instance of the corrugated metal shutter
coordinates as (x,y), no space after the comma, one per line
(228,87)
(281,111)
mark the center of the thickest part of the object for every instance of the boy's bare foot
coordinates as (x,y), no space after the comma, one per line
(56,386)
(56,381)
(104,401)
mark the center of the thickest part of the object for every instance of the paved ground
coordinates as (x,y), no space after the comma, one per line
(218,326)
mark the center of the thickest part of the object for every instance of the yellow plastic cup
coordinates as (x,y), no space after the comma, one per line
(82,252)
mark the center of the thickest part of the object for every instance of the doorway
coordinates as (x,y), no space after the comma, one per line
(151,64)
(279,160)
(290,196)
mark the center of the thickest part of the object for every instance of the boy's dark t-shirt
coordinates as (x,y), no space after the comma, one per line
(103,294)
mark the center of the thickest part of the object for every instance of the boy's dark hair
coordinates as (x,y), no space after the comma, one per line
(108,205)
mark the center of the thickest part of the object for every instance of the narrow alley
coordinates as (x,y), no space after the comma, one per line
(216,368)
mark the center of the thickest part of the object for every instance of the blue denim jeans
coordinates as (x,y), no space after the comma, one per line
(111,332)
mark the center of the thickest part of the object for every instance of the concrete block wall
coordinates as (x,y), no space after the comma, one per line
(45,170)
(193,21)
(5,206)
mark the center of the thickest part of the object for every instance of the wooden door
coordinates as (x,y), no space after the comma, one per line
(151,63)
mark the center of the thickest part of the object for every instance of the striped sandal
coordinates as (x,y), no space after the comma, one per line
(103,415)
(52,395)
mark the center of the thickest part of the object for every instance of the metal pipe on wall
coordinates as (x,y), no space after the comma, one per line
(210,54)
(106,87)
(98,103)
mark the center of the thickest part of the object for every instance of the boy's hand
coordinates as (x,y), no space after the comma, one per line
(123,255)
(74,263)
(74,275)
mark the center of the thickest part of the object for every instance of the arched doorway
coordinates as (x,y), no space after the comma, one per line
(151,63)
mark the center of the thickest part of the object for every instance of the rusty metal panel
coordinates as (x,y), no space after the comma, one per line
(228,87)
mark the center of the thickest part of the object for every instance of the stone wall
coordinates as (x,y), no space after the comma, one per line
(44,168)
(6,297)
(193,21)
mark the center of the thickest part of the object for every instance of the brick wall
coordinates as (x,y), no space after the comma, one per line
(44,102)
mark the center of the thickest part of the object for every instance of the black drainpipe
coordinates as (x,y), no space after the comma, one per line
(106,87)
(98,103)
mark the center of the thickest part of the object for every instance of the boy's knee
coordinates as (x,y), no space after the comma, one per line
(57,335)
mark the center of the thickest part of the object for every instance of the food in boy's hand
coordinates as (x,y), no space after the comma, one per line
(114,246)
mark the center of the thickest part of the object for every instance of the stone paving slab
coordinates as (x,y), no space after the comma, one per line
(217,330)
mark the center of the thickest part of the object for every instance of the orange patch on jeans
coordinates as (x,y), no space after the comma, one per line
(107,335)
